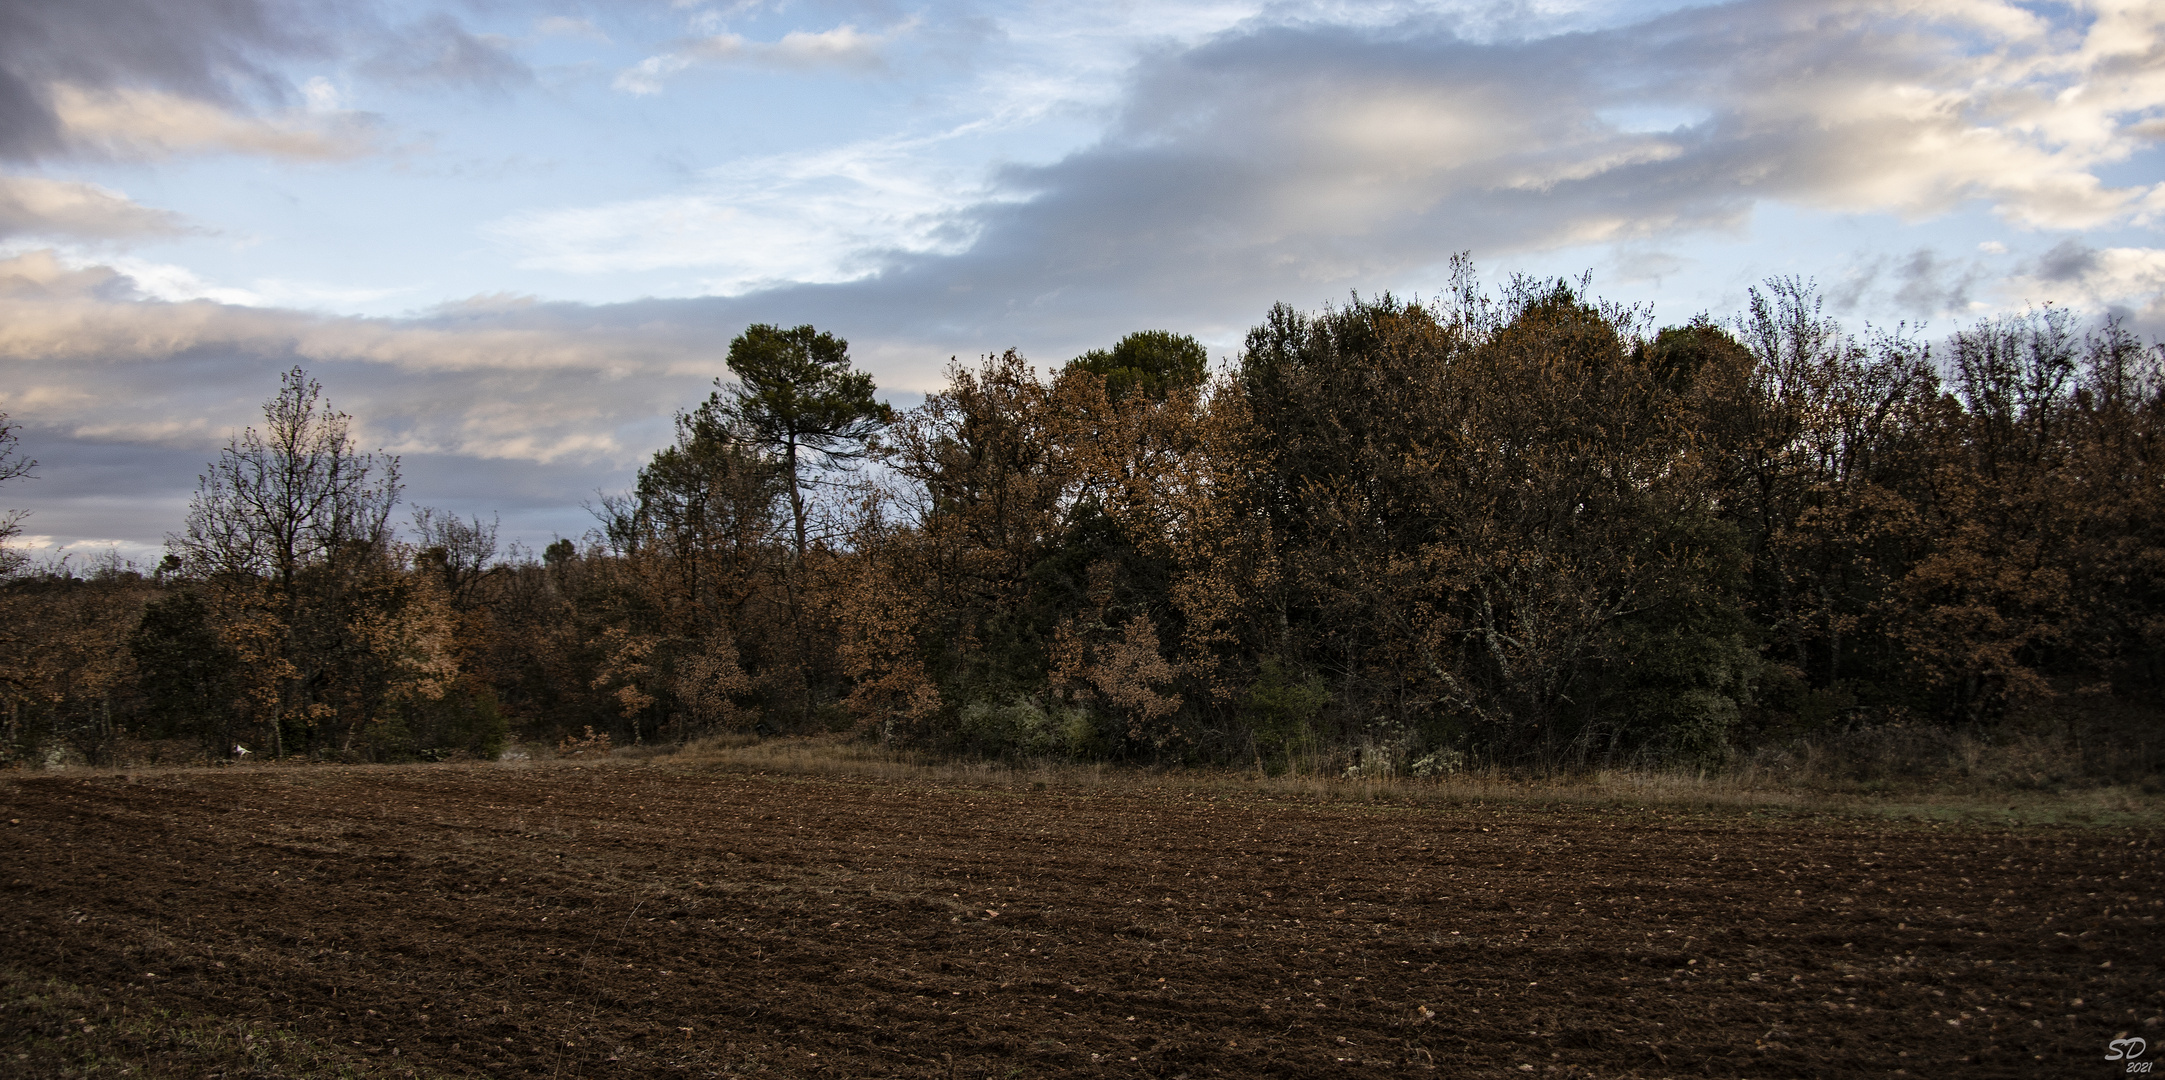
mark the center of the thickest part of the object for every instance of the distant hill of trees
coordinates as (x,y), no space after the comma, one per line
(1521,527)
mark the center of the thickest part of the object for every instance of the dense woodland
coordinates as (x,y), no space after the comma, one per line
(1524,527)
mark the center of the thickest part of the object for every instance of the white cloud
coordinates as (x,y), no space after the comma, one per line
(197,50)
(62,271)
(648,76)
(842,47)
(172,284)
(178,284)
(2129,280)
(83,554)
(1276,156)
(322,95)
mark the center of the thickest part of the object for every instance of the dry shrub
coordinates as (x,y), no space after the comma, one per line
(594,744)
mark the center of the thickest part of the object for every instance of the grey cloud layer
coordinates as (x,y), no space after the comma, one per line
(34,204)
(1287,156)
(205,49)
(1296,161)
(223,53)
(497,406)
(151,79)
(86,355)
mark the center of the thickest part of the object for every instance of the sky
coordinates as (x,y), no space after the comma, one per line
(512,239)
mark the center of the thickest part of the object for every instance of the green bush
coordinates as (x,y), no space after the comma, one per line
(1024,727)
(1281,710)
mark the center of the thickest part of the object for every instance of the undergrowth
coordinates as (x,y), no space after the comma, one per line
(1813,780)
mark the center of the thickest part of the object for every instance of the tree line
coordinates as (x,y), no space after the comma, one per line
(1508,526)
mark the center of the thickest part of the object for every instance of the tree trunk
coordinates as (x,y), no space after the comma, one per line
(796,495)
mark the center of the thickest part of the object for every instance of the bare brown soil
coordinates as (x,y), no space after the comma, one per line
(624,920)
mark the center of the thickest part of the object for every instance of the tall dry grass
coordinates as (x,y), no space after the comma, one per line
(1809,779)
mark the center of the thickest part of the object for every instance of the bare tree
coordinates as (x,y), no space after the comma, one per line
(285,528)
(282,499)
(12,466)
(458,548)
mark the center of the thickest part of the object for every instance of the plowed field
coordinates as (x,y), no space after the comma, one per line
(623,920)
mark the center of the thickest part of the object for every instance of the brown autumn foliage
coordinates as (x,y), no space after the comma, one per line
(1519,527)
(66,662)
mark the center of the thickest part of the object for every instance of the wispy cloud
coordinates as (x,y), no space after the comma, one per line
(567,26)
(843,47)
(833,215)
(177,284)
(1922,285)
(438,51)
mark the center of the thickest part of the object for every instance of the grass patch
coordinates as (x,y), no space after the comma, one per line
(1922,777)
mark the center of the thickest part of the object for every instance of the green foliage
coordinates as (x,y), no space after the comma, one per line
(797,396)
(1148,362)
(1685,665)
(185,672)
(1282,708)
(1028,727)
(796,387)
(465,725)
